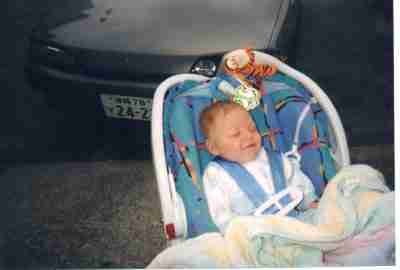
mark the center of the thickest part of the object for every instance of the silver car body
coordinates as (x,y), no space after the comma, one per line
(175,26)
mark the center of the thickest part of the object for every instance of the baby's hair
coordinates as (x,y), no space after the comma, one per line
(212,112)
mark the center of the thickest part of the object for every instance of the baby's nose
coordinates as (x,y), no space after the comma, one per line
(247,134)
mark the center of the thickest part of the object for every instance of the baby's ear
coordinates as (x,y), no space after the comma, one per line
(211,147)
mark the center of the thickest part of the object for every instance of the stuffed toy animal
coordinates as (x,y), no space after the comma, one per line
(241,63)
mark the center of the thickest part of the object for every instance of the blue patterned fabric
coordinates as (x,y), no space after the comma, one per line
(289,99)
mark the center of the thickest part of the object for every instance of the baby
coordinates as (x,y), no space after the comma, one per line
(231,135)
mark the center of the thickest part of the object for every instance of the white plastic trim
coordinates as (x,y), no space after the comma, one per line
(181,225)
(166,186)
(302,116)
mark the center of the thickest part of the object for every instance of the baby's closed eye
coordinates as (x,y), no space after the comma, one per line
(234,134)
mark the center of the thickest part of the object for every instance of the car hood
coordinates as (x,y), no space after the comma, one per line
(161,27)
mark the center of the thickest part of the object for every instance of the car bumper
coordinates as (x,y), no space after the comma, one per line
(79,97)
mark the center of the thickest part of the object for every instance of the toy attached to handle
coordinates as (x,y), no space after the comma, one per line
(246,76)
(242,63)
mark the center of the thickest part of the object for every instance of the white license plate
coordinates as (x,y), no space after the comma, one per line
(126,107)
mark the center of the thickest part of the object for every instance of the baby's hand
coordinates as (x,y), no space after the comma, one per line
(314,204)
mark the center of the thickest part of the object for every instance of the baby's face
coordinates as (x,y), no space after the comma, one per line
(234,137)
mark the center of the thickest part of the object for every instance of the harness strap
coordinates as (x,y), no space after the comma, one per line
(256,194)
(245,180)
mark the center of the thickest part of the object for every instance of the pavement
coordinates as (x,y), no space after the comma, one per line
(71,201)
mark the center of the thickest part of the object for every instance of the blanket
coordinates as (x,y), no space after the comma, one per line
(352,226)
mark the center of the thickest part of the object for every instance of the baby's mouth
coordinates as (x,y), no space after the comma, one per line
(249,146)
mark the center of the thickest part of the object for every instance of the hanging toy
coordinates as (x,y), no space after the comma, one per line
(247,96)
(245,78)
(240,92)
(241,63)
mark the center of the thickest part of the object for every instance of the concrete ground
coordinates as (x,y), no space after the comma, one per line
(70,202)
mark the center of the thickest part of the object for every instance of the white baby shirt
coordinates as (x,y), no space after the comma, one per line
(226,200)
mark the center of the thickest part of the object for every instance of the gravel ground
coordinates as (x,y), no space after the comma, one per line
(82,215)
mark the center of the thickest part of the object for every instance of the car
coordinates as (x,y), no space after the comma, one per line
(101,60)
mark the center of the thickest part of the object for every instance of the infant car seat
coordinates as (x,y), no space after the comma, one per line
(297,118)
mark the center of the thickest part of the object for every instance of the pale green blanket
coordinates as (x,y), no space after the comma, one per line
(353,226)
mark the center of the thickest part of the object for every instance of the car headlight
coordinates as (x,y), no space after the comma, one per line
(50,55)
(205,67)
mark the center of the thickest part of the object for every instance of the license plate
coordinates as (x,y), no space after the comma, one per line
(126,107)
